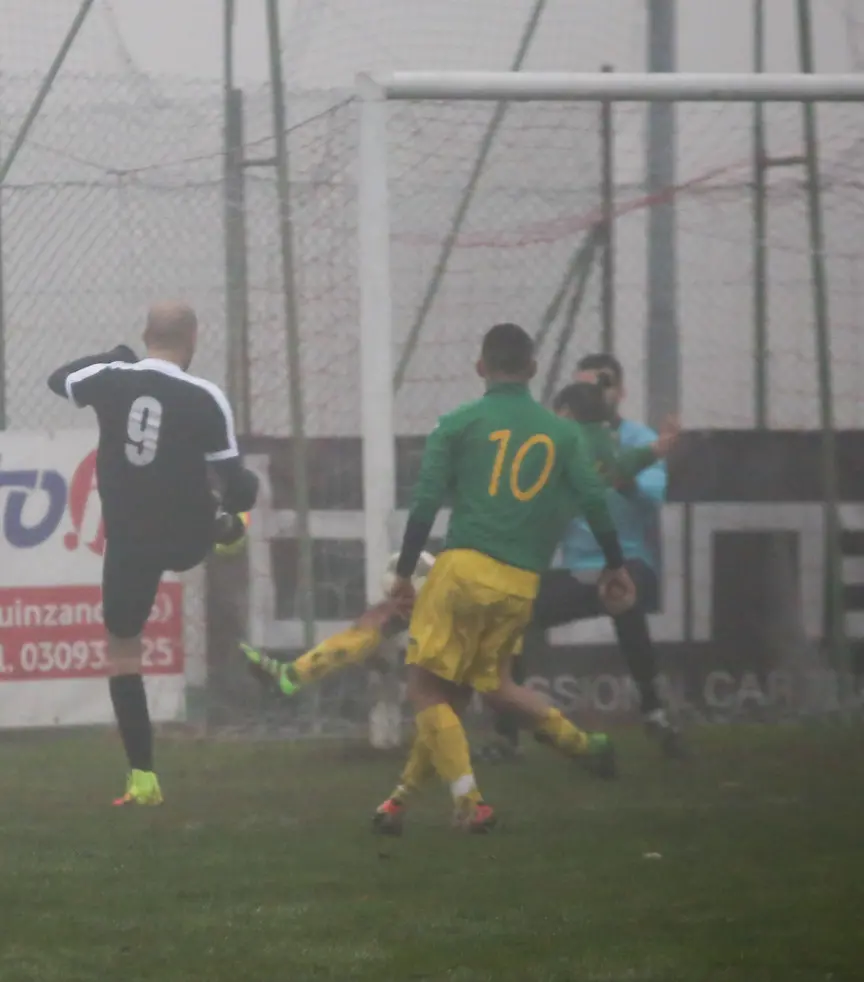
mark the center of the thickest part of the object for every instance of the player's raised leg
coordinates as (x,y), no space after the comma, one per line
(504,746)
(349,647)
(561,599)
(551,727)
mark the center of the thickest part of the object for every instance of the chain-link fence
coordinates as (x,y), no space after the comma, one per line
(105,210)
(118,197)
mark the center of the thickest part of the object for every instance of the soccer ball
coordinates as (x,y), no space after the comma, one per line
(231,533)
(424,565)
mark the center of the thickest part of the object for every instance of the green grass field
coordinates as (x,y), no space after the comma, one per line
(261,867)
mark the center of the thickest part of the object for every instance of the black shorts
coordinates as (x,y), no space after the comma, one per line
(562,598)
(131,574)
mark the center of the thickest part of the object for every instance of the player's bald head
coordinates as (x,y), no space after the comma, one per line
(172,328)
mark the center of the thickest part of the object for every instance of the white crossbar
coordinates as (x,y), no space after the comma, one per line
(575,86)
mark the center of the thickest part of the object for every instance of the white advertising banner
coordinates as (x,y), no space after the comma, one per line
(52,642)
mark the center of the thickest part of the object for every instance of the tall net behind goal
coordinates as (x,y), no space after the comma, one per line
(496,213)
(536,201)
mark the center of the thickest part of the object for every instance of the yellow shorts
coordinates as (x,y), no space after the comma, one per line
(468,616)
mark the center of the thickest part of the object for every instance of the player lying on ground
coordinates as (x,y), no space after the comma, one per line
(633,457)
(162,434)
(515,474)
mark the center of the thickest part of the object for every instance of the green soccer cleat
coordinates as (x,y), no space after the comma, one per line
(600,758)
(142,788)
(271,671)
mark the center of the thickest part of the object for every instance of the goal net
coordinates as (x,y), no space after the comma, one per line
(481,201)
(473,207)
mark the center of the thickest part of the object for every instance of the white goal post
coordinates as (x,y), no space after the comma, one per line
(374,261)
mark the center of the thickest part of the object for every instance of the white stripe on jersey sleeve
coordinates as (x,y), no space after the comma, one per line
(211,458)
(219,397)
(79,376)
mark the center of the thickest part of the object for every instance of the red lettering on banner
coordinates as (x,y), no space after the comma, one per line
(57,633)
(83,490)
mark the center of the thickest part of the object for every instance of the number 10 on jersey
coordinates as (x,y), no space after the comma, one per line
(502,438)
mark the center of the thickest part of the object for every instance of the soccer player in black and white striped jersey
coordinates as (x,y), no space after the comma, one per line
(163,436)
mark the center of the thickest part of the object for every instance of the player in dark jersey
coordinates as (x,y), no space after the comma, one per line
(164,436)
(515,475)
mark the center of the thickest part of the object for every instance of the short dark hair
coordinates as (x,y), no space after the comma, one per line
(584,401)
(507,349)
(565,397)
(602,362)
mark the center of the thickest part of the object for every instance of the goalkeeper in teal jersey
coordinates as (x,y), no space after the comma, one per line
(631,458)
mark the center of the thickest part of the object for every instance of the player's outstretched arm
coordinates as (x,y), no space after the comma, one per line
(58,378)
(238,485)
(435,481)
(649,482)
(615,587)
(590,491)
(631,462)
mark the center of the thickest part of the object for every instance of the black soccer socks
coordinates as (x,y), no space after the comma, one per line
(133,720)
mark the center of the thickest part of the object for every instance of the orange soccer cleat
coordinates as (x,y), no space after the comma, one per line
(389,818)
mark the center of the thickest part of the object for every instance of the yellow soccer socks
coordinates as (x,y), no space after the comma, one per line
(349,647)
(417,772)
(554,729)
(441,731)
(440,745)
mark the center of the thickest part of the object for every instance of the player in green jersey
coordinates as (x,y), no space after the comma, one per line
(514,475)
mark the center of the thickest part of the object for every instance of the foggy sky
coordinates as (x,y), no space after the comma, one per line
(328,41)
(168,221)
(183,35)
